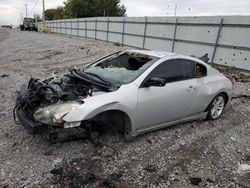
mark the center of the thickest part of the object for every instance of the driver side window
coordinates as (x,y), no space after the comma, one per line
(174,70)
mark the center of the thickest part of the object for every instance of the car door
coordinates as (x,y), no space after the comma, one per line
(203,93)
(159,105)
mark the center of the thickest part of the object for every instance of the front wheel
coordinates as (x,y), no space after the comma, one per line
(216,107)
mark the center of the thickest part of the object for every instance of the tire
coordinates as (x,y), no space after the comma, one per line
(216,107)
(52,137)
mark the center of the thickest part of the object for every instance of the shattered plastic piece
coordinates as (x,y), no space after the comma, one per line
(71,124)
(243,168)
(232,138)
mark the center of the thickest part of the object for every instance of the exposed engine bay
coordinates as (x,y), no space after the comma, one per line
(46,102)
(70,87)
(51,91)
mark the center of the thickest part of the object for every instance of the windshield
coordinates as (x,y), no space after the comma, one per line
(28,19)
(121,68)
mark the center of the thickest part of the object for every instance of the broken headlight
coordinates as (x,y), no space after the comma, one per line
(52,115)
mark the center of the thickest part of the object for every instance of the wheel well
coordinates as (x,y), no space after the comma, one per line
(224,94)
(116,118)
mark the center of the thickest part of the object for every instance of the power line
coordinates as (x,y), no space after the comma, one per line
(34,7)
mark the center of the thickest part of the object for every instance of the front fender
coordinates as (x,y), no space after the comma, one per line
(93,107)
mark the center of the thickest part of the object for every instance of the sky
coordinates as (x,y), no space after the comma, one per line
(11,11)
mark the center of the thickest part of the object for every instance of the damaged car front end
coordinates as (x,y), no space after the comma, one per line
(73,101)
(42,104)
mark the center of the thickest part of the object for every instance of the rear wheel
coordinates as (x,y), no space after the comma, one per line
(216,107)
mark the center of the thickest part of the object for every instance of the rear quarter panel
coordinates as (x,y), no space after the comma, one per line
(215,83)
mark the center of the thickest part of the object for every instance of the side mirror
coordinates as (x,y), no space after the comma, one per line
(154,81)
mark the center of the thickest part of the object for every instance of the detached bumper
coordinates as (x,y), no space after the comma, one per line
(31,126)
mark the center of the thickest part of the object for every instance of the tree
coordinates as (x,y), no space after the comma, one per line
(55,14)
(93,8)
(37,18)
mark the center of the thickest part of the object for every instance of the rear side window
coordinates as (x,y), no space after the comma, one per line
(200,70)
(174,70)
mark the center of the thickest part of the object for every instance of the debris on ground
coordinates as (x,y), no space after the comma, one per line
(243,168)
(195,180)
(4,75)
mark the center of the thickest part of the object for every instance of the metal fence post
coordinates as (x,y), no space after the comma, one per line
(144,34)
(65,27)
(175,29)
(107,37)
(71,27)
(86,25)
(217,40)
(77,27)
(95,27)
(60,26)
(123,29)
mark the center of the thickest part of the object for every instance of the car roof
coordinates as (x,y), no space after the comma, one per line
(163,54)
(159,54)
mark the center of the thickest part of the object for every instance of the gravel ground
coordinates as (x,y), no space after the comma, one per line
(196,154)
(3,34)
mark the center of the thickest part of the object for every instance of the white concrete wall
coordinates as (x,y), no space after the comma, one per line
(183,35)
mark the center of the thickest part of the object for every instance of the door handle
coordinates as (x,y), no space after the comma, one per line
(191,88)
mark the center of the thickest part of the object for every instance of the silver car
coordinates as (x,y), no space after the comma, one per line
(137,91)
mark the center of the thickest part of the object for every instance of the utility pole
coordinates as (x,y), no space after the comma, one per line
(43,12)
(26,9)
(175,10)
